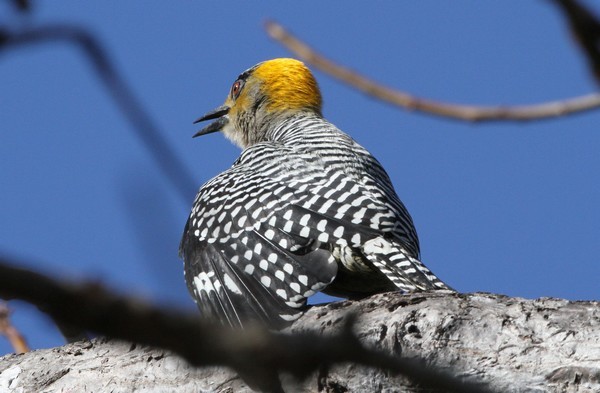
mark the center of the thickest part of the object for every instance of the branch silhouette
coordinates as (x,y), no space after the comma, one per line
(145,129)
(585,28)
(471,113)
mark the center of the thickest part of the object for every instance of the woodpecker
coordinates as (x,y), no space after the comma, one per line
(303,209)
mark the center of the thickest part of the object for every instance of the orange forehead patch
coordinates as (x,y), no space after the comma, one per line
(288,84)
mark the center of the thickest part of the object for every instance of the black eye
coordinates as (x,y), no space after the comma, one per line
(236,88)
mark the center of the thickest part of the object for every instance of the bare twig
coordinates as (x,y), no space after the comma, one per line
(585,28)
(145,129)
(256,353)
(15,338)
(472,113)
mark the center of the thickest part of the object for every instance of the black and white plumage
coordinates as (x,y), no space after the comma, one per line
(303,209)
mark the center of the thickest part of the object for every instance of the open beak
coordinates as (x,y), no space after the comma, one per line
(222,120)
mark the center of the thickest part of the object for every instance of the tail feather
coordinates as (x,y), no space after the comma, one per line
(406,272)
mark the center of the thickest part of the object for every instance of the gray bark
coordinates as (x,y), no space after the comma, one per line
(512,344)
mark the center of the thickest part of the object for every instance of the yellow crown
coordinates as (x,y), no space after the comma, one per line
(288,84)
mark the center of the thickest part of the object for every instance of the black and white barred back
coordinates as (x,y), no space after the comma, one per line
(308,210)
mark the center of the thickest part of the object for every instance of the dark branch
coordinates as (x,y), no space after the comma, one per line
(255,353)
(585,28)
(22,5)
(144,127)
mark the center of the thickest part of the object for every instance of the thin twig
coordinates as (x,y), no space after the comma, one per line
(255,353)
(471,113)
(145,129)
(15,338)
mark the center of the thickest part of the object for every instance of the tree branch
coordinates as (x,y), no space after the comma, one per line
(145,129)
(471,113)
(512,344)
(255,353)
(585,28)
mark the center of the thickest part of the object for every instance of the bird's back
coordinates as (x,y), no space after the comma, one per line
(308,209)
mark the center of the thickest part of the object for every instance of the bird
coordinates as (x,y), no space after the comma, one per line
(303,209)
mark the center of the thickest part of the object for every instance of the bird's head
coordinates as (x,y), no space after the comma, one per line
(261,97)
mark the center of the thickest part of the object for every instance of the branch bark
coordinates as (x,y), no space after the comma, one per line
(512,344)
(255,353)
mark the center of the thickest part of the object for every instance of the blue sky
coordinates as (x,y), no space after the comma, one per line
(503,208)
